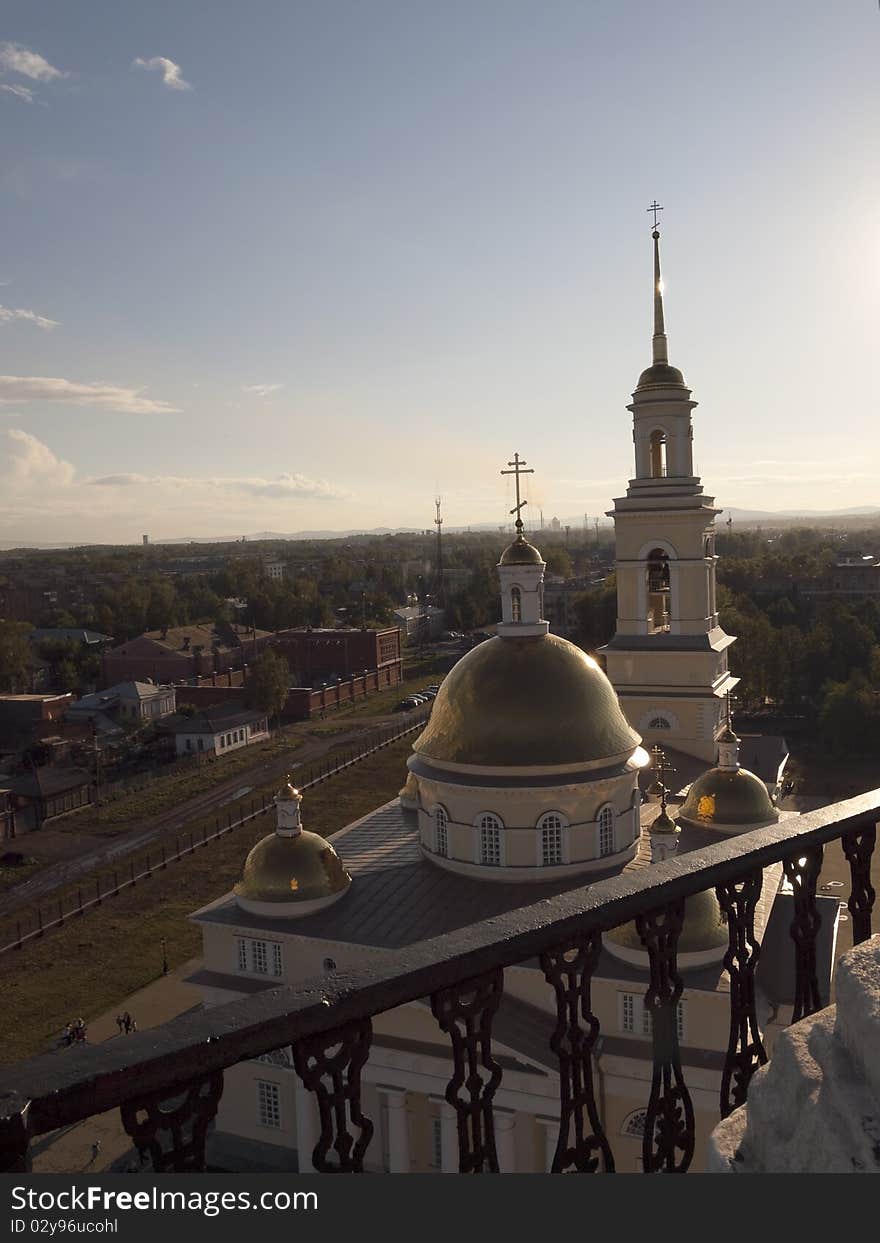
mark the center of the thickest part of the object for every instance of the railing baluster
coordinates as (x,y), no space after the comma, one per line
(465,1012)
(668,1143)
(173,1130)
(330,1065)
(802,871)
(745,1049)
(858,848)
(582,1142)
(14,1135)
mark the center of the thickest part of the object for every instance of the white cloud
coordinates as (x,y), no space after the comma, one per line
(17,59)
(261,390)
(8,313)
(32,462)
(170,72)
(280,486)
(108,396)
(24,93)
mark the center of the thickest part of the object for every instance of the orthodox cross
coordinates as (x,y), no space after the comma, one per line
(518,465)
(655,207)
(663,768)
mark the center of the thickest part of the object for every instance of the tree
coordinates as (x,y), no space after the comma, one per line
(16,656)
(268,682)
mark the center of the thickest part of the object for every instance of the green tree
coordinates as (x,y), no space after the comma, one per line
(268,682)
(16,657)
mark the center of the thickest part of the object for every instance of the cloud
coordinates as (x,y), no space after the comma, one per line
(32,462)
(281,486)
(170,72)
(111,397)
(24,93)
(261,390)
(8,313)
(17,59)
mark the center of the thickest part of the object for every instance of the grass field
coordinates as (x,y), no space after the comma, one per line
(93,963)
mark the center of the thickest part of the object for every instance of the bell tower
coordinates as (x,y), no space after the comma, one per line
(668,658)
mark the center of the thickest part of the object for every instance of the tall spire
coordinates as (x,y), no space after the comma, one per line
(658,342)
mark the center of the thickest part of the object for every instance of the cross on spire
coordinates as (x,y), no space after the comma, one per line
(518,465)
(655,208)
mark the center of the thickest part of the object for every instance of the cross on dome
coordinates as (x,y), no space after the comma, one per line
(518,465)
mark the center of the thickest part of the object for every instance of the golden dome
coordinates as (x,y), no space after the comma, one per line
(727,798)
(661,375)
(704,928)
(537,701)
(289,870)
(521,552)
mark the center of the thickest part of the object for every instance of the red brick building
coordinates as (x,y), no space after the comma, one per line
(324,655)
(181,653)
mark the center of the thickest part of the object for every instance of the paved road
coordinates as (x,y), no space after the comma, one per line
(139,836)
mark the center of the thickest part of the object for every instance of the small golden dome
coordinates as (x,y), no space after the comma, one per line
(732,799)
(661,375)
(537,701)
(704,928)
(521,552)
(292,870)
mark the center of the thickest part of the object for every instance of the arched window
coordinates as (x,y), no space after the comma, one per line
(659,722)
(658,454)
(658,590)
(634,1124)
(490,839)
(551,825)
(606,831)
(515,604)
(441,838)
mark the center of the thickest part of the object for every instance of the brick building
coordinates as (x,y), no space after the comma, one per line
(321,655)
(182,652)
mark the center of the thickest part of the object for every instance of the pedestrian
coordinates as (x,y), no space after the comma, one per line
(134,1025)
(96,1148)
(126,1022)
(67,1034)
(119,1023)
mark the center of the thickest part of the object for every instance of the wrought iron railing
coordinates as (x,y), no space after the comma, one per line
(167,1081)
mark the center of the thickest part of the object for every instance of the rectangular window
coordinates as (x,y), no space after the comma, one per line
(436,1143)
(490,847)
(259,957)
(268,1104)
(551,846)
(635,1017)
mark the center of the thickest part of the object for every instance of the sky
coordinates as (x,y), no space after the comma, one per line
(299,266)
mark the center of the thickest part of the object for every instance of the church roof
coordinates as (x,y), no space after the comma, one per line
(530,702)
(521,552)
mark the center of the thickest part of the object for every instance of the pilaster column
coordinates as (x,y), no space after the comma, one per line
(448,1139)
(550,1127)
(398,1131)
(505,1146)
(307,1128)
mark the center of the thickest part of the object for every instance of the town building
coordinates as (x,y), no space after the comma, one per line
(218,730)
(318,655)
(48,792)
(131,703)
(419,623)
(274,570)
(177,653)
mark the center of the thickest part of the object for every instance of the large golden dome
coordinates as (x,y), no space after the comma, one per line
(731,799)
(292,870)
(537,701)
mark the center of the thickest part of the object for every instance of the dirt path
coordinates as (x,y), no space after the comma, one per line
(79,860)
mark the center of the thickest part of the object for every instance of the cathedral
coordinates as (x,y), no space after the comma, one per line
(527,780)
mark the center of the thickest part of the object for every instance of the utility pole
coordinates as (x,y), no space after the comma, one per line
(438,523)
